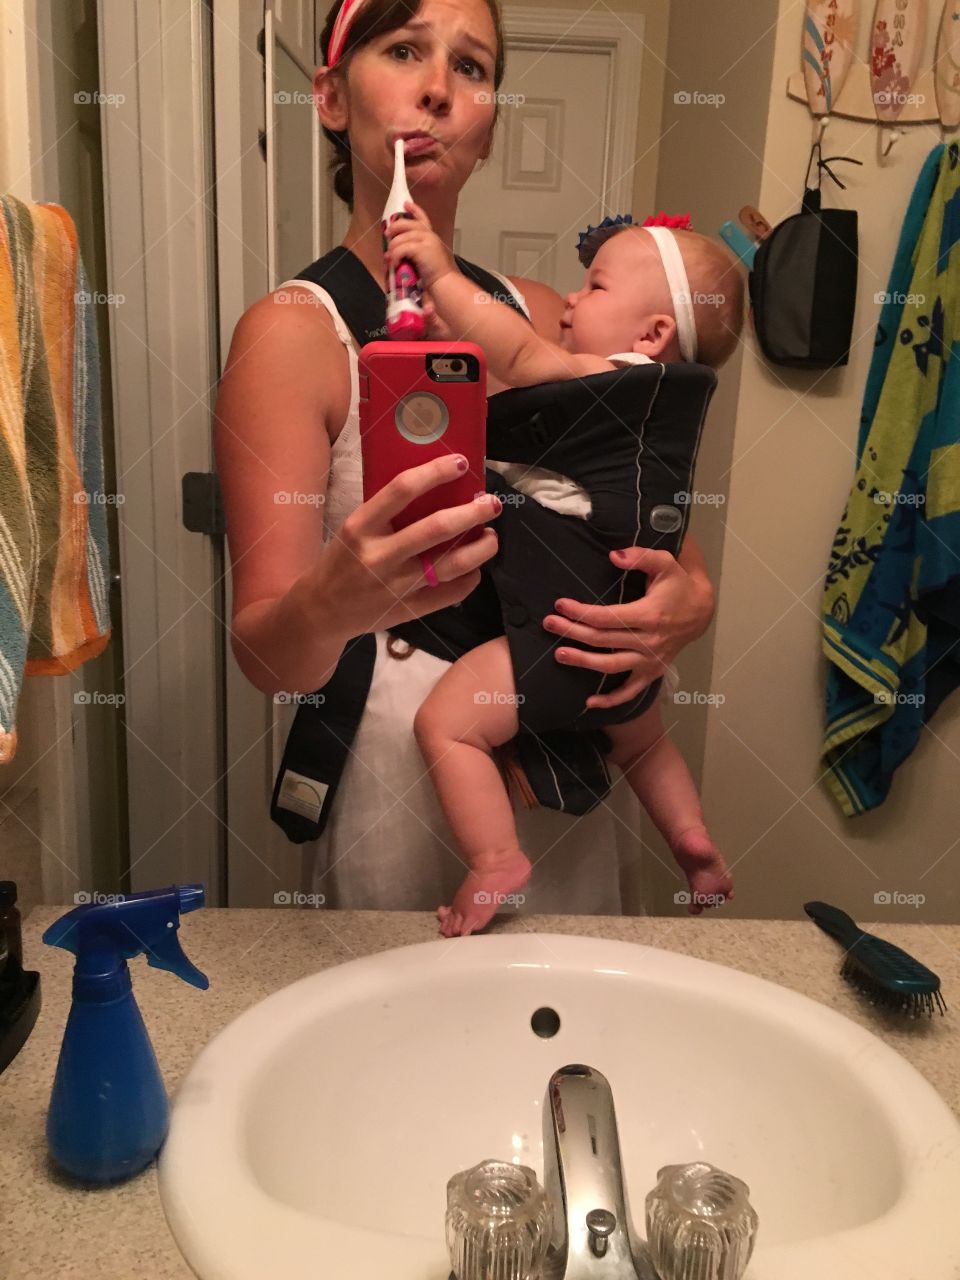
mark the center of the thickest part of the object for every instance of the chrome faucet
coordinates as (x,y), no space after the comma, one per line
(584,1183)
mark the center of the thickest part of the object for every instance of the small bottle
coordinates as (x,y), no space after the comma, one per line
(405,319)
(11,941)
(109,1112)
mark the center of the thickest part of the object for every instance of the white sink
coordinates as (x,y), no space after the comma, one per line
(315,1135)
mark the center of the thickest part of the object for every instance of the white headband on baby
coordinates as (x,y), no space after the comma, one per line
(679,286)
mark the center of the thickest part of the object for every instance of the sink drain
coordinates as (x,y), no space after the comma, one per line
(545,1023)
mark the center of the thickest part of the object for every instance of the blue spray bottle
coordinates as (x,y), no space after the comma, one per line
(108,1112)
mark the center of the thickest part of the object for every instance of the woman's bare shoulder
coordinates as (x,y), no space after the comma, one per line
(545,305)
(286,344)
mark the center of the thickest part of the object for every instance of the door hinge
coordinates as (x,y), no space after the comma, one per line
(203,504)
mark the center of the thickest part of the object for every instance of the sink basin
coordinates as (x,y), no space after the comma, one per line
(315,1135)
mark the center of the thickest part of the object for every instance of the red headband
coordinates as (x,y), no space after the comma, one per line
(341,29)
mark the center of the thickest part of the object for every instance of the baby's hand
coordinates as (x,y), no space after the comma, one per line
(414,238)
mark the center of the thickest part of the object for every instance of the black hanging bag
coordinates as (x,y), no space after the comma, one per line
(803,285)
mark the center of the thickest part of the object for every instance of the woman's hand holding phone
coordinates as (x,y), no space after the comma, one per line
(371,578)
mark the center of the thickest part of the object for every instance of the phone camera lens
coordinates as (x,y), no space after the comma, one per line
(456,365)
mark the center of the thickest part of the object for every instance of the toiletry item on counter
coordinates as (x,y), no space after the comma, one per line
(19,987)
(109,1112)
(497,1223)
(887,974)
(405,319)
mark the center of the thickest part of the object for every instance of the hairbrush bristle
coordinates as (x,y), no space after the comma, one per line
(912,1003)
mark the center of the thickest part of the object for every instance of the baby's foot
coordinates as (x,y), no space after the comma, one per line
(707,875)
(485,889)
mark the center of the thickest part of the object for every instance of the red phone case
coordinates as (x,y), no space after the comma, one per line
(407,417)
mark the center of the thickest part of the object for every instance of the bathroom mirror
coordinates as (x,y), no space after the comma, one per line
(184,142)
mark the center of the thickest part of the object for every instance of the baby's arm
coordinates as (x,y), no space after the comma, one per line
(516,354)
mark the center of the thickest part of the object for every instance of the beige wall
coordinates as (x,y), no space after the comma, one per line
(792,467)
(711,164)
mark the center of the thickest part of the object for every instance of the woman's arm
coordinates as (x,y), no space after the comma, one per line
(297,600)
(273,458)
(691,560)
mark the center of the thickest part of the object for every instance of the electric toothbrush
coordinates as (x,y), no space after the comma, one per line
(405,318)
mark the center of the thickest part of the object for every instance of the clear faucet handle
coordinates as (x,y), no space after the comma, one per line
(700,1223)
(497,1222)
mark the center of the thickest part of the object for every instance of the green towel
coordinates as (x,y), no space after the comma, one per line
(891,605)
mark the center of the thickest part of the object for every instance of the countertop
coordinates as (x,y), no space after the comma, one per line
(52,1227)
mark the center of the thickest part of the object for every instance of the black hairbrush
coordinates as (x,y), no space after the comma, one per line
(885,973)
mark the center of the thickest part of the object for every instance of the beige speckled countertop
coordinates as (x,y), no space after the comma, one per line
(52,1228)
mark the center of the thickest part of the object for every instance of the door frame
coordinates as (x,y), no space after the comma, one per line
(160,228)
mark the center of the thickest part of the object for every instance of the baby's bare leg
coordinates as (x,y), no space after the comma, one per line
(470,710)
(659,777)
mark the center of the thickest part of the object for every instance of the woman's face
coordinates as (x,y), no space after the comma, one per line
(434,75)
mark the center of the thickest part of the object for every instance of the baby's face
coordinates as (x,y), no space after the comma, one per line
(625,286)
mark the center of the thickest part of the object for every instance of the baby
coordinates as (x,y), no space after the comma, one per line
(638,300)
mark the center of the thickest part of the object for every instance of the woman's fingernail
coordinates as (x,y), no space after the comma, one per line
(495,502)
(462,463)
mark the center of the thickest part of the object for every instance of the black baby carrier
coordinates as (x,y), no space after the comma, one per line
(660,407)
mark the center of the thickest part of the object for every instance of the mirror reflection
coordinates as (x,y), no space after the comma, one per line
(645,603)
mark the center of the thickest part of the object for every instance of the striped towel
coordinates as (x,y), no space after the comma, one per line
(54,558)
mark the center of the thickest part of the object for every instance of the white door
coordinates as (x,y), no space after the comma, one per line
(564,157)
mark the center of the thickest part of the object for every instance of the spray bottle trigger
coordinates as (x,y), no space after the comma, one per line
(168,954)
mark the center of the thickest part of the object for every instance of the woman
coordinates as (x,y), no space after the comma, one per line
(309,576)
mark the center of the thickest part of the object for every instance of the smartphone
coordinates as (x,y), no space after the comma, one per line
(419,401)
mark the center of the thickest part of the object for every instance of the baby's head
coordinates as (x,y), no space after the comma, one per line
(626,302)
